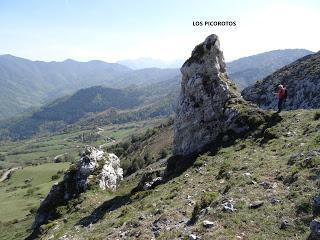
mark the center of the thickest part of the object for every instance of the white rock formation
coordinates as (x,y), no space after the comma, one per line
(204,108)
(105,166)
(111,173)
(94,167)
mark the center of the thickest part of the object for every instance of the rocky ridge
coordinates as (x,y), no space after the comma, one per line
(302,80)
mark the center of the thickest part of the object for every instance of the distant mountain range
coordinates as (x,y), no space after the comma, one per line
(243,71)
(27,85)
(94,106)
(67,110)
(246,71)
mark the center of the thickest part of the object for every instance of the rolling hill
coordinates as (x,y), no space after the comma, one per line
(95,106)
(246,71)
(57,114)
(29,84)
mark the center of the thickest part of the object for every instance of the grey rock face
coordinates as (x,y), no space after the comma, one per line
(204,110)
(93,164)
(302,80)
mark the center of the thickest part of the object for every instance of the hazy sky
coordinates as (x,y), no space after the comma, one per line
(112,30)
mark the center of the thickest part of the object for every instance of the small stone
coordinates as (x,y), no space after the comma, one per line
(228,207)
(284,224)
(207,224)
(256,204)
(193,237)
(289,134)
(247,174)
(265,185)
(191,202)
(274,201)
(203,212)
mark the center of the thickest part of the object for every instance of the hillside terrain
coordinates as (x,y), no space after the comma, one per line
(107,163)
(276,170)
(153,93)
(44,161)
(95,106)
(246,71)
(301,79)
(29,84)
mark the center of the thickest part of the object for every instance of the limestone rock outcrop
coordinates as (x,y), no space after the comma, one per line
(302,80)
(209,104)
(111,173)
(94,168)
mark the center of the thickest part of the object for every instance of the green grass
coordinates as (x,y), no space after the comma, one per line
(44,149)
(232,173)
(18,197)
(206,183)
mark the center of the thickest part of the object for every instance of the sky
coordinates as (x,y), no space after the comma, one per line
(112,30)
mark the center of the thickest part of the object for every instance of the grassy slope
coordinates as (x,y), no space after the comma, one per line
(15,203)
(222,175)
(44,149)
(18,197)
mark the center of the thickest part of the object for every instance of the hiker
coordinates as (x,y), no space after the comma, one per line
(282,94)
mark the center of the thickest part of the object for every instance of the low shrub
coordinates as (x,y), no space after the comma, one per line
(224,170)
(316,116)
(205,201)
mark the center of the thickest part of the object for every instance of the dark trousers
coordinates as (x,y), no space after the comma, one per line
(280,103)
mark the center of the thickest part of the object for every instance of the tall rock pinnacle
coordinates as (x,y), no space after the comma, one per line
(209,104)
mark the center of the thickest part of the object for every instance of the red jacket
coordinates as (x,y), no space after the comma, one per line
(281,93)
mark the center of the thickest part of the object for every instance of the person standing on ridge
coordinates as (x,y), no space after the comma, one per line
(282,94)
